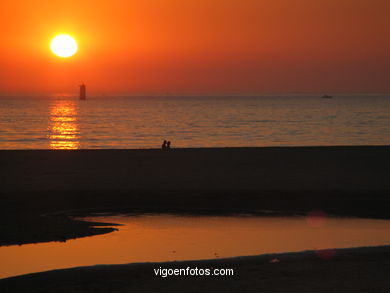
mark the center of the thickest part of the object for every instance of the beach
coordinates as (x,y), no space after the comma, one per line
(43,186)
(43,191)
(348,270)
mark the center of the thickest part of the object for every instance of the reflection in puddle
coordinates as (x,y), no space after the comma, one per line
(63,129)
(165,238)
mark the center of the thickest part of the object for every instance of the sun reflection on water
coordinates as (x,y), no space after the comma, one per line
(63,128)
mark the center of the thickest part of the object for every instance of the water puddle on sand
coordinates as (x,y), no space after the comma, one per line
(151,238)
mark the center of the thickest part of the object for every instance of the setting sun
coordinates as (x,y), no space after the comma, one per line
(63,46)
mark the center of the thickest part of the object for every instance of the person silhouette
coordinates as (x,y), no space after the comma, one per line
(168,144)
(164,145)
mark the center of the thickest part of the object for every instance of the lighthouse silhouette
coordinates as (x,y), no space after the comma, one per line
(83,92)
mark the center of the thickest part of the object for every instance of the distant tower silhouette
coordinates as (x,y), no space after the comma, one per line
(83,92)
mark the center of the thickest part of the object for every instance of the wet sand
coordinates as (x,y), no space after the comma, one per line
(343,270)
(344,181)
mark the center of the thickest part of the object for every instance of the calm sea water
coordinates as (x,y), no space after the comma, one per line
(187,238)
(143,122)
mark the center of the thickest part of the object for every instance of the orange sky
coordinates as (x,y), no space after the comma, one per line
(197,46)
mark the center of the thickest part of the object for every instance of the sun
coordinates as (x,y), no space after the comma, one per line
(63,46)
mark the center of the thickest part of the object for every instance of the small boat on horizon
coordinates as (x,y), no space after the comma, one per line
(326,97)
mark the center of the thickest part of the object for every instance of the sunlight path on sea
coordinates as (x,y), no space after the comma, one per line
(63,126)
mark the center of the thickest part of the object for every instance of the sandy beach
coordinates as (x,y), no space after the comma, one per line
(40,188)
(290,169)
(348,270)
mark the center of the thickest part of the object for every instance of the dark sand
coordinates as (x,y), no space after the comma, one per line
(346,181)
(349,270)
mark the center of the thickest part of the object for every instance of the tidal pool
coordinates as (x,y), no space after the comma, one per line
(152,238)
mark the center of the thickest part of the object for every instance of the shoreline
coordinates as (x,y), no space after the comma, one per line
(338,181)
(43,191)
(212,148)
(348,270)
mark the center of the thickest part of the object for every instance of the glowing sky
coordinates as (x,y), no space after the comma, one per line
(197,46)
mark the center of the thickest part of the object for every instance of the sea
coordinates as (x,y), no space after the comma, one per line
(141,122)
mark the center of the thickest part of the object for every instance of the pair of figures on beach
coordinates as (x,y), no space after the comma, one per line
(166,145)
